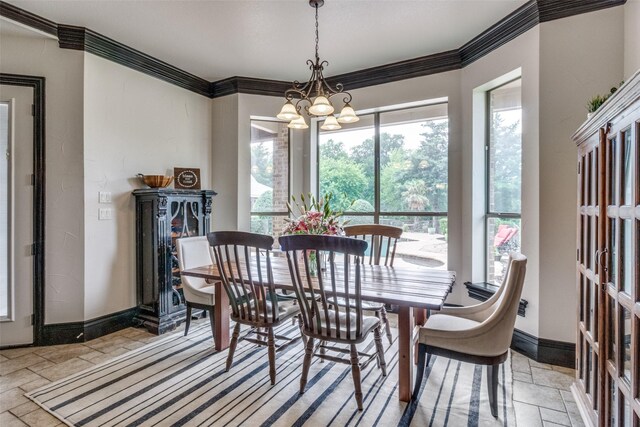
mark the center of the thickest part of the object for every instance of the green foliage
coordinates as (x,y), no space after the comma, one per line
(333,150)
(264,203)
(594,103)
(414,195)
(507,165)
(444,227)
(361,206)
(343,178)
(350,176)
(262,164)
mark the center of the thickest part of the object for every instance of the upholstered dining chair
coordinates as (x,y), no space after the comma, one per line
(195,252)
(479,334)
(244,264)
(322,319)
(382,241)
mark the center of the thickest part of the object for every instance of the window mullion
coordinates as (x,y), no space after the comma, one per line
(376,168)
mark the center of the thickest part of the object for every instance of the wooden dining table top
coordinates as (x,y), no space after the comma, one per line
(407,286)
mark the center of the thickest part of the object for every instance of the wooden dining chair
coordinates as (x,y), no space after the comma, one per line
(479,334)
(322,319)
(382,241)
(244,264)
(195,252)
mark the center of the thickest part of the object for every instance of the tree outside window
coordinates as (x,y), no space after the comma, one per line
(392,168)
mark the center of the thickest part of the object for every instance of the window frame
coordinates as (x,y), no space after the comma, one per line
(284,213)
(377,213)
(488,214)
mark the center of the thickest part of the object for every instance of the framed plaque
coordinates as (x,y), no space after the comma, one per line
(186,178)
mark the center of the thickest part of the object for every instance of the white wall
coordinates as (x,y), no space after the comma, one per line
(631,37)
(64,221)
(224,164)
(576,62)
(232,156)
(134,123)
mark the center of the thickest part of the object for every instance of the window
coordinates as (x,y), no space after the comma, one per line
(392,168)
(504,177)
(269,176)
(6,285)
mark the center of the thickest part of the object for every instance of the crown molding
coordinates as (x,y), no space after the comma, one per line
(516,23)
(80,38)
(417,67)
(550,10)
(29,19)
(248,85)
(513,25)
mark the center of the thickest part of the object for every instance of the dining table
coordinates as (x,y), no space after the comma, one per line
(414,290)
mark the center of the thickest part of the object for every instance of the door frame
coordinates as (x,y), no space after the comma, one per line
(38,86)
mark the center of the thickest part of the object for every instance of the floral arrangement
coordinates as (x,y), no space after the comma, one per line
(314,217)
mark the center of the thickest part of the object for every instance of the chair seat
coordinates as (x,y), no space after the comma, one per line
(445,322)
(368,324)
(456,334)
(203,295)
(285,311)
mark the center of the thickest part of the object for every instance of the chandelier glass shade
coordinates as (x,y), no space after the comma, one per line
(315,95)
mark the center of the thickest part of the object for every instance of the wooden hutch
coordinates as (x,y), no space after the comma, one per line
(607,259)
(164,215)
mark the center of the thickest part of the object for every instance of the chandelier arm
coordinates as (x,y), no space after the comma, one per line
(347,98)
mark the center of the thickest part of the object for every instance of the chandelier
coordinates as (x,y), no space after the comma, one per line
(315,95)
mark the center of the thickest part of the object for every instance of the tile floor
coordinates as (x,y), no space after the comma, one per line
(540,392)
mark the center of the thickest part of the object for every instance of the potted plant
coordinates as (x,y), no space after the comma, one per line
(595,102)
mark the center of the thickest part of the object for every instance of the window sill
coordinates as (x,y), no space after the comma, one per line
(482,291)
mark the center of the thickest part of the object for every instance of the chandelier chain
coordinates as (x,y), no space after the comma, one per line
(317,37)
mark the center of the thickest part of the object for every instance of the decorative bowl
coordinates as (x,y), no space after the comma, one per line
(156,181)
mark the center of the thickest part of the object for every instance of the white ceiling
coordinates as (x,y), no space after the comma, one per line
(216,39)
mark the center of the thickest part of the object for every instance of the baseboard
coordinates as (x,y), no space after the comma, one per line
(74,332)
(543,350)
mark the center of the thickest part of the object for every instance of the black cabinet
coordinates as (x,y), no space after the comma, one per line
(162,216)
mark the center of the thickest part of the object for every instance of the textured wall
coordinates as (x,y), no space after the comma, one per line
(133,124)
(575,63)
(64,228)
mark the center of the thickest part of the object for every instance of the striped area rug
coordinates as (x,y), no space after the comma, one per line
(180,381)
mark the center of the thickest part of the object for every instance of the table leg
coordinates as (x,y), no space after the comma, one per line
(405,353)
(221,310)
(421,318)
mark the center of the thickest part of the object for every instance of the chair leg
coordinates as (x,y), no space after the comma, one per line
(387,327)
(212,321)
(232,345)
(377,337)
(492,385)
(422,355)
(306,364)
(271,345)
(355,373)
(187,320)
(301,326)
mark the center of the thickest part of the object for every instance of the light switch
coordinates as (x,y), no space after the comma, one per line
(105,213)
(104,196)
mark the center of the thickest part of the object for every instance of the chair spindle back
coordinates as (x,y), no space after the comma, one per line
(317,295)
(382,241)
(244,263)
